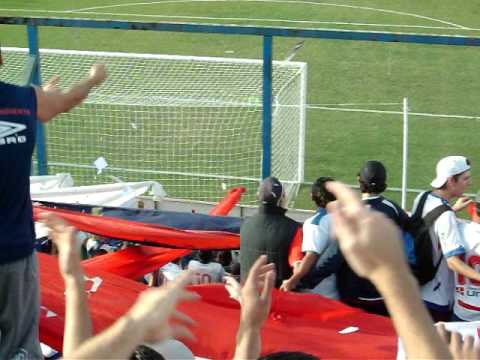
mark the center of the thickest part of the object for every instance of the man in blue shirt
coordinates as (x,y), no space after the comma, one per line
(20,107)
(372,181)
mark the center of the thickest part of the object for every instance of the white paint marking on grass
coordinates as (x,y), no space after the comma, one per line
(248,19)
(281,2)
(293,28)
(269,20)
(393,112)
(359,104)
(37,11)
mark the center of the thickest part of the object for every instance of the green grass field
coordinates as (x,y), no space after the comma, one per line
(352,86)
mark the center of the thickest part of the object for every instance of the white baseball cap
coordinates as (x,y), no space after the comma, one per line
(450,166)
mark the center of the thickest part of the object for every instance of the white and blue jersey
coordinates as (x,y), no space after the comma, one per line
(18,111)
(317,239)
(446,240)
(467,291)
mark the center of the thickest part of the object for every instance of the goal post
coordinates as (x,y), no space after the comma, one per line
(193,124)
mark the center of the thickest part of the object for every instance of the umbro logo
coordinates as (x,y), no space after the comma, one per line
(9,128)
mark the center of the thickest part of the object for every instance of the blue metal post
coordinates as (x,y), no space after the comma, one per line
(267,107)
(36,80)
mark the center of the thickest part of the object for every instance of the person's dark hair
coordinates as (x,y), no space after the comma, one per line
(371,188)
(205,256)
(97,252)
(455,179)
(143,352)
(224,257)
(372,177)
(235,269)
(320,195)
(289,355)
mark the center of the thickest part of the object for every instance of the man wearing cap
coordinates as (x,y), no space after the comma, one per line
(269,232)
(20,107)
(453,177)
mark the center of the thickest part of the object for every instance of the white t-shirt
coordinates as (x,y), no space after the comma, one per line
(467,292)
(206,273)
(316,238)
(172,349)
(445,237)
(170,271)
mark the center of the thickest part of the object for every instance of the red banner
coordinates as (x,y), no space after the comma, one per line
(145,233)
(298,322)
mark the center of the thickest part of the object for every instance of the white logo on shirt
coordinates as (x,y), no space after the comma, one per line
(9,128)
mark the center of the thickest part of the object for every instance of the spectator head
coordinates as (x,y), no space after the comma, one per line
(205,256)
(97,247)
(164,350)
(453,175)
(143,352)
(224,257)
(235,270)
(272,193)
(288,355)
(372,177)
(320,195)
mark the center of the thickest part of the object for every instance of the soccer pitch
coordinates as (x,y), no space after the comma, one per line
(355,89)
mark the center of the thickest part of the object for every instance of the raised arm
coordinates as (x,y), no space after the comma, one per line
(52,101)
(78,326)
(371,244)
(452,246)
(152,318)
(255,300)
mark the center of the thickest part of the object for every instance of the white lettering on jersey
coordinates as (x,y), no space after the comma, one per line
(10,128)
(7,129)
(467,291)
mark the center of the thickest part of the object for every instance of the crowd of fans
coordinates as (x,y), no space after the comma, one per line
(361,251)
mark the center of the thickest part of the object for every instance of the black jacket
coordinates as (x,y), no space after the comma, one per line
(269,232)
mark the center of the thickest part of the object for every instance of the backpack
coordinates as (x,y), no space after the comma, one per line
(424,268)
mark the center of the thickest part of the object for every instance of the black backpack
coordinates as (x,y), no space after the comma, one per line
(424,268)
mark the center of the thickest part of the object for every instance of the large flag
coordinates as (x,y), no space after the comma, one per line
(298,322)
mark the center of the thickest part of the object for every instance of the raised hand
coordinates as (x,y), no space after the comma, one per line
(257,293)
(234,288)
(460,348)
(98,74)
(155,307)
(462,203)
(256,300)
(288,285)
(51,85)
(63,235)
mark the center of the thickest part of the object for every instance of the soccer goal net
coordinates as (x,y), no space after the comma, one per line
(192,123)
